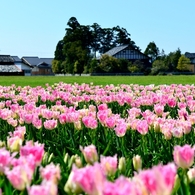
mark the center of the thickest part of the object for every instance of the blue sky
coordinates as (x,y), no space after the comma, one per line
(34,27)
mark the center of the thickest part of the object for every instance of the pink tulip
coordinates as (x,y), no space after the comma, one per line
(50,124)
(158,180)
(14,143)
(111,122)
(5,159)
(183,156)
(121,186)
(142,127)
(38,190)
(103,107)
(172,102)
(45,188)
(51,173)
(37,123)
(20,131)
(121,128)
(19,176)
(90,153)
(90,179)
(109,164)
(63,118)
(28,118)
(90,122)
(158,109)
(36,149)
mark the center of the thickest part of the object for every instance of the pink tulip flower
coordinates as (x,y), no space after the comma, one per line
(51,173)
(121,186)
(159,180)
(142,127)
(19,176)
(183,156)
(36,149)
(109,164)
(5,159)
(90,153)
(90,179)
(121,128)
(45,188)
(50,124)
(90,122)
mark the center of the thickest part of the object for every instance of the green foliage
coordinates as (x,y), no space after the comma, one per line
(108,64)
(183,63)
(152,51)
(56,66)
(171,60)
(82,41)
(93,65)
(136,66)
(123,65)
(59,51)
(158,66)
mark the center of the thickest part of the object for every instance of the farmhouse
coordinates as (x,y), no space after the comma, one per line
(7,66)
(40,66)
(129,53)
(24,67)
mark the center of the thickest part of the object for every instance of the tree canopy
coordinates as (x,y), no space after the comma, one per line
(83,42)
(183,63)
(77,52)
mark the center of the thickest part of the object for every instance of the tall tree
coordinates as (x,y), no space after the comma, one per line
(122,37)
(59,51)
(85,41)
(152,51)
(171,60)
(96,32)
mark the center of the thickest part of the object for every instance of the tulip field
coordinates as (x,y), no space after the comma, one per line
(70,138)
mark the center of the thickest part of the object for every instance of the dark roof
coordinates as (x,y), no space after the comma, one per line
(36,61)
(115,50)
(47,60)
(6,59)
(31,61)
(190,55)
(16,59)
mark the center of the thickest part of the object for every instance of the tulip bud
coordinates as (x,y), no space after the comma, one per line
(50,157)
(45,158)
(77,125)
(66,157)
(122,164)
(78,161)
(71,161)
(191,174)
(2,144)
(71,187)
(137,162)
(14,143)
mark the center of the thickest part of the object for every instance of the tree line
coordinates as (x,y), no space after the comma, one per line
(76,53)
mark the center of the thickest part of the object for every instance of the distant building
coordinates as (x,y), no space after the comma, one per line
(191,56)
(24,67)
(8,67)
(128,53)
(39,66)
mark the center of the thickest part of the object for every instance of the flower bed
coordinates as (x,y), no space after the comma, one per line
(71,138)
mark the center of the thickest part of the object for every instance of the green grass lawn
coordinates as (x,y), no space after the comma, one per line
(97,80)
